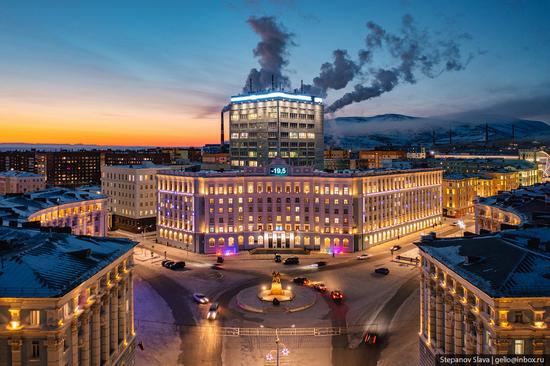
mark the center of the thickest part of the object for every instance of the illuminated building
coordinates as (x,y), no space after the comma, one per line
(372,159)
(16,182)
(459,192)
(132,192)
(484,295)
(513,209)
(273,124)
(65,300)
(82,213)
(337,159)
(283,206)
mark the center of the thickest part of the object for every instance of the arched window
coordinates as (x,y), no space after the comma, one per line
(250,240)
(185,238)
(231,241)
(190,239)
(346,242)
(211,242)
(180,236)
(336,242)
(170,235)
(297,240)
(260,240)
(240,240)
(327,242)
(221,242)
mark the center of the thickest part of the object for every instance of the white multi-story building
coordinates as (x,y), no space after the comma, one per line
(16,182)
(65,300)
(132,192)
(80,212)
(283,206)
(267,125)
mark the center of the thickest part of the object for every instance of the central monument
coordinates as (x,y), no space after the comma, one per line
(276,291)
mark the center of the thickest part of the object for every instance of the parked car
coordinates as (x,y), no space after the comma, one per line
(363,256)
(219,259)
(300,280)
(278,258)
(217,266)
(382,270)
(200,298)
(213,311)
(292,260)
(166,263)
(337,296)
(319,286)
(177,265)
(395,248)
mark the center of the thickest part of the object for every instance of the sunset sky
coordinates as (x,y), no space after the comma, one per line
(158,72)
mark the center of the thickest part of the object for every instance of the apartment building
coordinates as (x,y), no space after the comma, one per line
(284,206)
(16,182)
(73,304)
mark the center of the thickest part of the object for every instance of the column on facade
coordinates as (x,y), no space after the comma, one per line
(458,313)
(439,319)
(470,346)
(122,311)
(422,302)
(15,348)
(96,335)
(114,318)
(54,347)
(431,315)
(105,328)
(85,354)
(479,337)
(74,342)
(449,323)
(131,301)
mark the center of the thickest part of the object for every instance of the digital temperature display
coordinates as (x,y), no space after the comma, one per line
(281,171)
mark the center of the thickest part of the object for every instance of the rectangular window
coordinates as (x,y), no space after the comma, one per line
(518,346)
(34,317)
(35,350)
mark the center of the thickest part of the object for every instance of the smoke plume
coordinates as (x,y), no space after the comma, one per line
(414,52)
(271,51)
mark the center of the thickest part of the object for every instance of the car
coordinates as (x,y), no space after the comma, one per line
(292,260)
(217,266)
(200,298)
(362,256)
(319,286)
(213,311)
(337,296)
(370,338)
(300,280)
(382,270)
(278,258)
(321,263)
(395,248)
(167,263)
(177,265)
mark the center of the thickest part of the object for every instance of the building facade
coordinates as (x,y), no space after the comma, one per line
(484,295)
(80,212)
(282,206)
(372,159)
(16,182)
(337,159)
(264,126)
(67,301)
(459,193)
(132,192)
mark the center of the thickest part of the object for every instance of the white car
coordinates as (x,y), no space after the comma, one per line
(200,298)
(362,256)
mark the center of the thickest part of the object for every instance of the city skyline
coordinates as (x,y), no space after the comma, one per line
(159,74)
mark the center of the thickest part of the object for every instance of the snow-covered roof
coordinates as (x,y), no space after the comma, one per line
(39,264)
(501,265)
(19,174)
(20,207)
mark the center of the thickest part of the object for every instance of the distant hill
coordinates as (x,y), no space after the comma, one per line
(402,130)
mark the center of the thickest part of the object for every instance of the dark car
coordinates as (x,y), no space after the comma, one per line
(167,263)
(337,296)
(213,311)
(300,280)
(278,258)
(395,248)
(321,263)
(382,270)
(292,260)
(177,265)
(219,259)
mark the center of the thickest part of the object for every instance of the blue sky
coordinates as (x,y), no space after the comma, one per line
(158,71)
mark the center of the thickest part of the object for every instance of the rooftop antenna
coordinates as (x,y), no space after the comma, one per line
(301,86)
(272,82)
